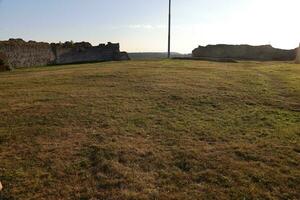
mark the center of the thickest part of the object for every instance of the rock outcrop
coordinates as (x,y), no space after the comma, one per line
(26,54)
(244,52)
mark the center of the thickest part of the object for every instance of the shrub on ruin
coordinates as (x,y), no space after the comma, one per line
(3,63)
(2,59)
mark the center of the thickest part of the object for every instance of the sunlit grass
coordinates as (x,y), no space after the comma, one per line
(151,130)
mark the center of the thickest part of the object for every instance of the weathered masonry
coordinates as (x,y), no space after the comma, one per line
(245,52)
(298,55)
(19,53)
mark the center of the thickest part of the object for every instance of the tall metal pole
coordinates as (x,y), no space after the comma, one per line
(169,32)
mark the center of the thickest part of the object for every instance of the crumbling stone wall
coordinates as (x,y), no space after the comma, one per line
(245,52)
(298,55)
(85,52)
(26,54)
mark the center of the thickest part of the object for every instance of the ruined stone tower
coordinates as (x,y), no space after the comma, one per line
(298,55)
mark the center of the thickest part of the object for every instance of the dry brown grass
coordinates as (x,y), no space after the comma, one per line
(151,130)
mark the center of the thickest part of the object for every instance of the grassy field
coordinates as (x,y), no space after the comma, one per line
(151,130)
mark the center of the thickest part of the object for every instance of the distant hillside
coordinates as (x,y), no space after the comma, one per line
(154,55)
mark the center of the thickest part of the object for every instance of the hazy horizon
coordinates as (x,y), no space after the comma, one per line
(141,26)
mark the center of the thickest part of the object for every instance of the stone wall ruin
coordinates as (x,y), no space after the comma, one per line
(245,52)
(27,54)
(298,55)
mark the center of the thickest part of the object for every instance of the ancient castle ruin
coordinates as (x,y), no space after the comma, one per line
(298,55)
(244,52)
(18,53)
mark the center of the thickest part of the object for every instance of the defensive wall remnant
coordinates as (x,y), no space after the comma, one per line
(244,52)
(298,55)
(19,53)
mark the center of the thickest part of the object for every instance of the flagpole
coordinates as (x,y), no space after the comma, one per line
(169,31)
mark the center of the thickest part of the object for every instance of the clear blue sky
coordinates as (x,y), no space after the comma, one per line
(141,25)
